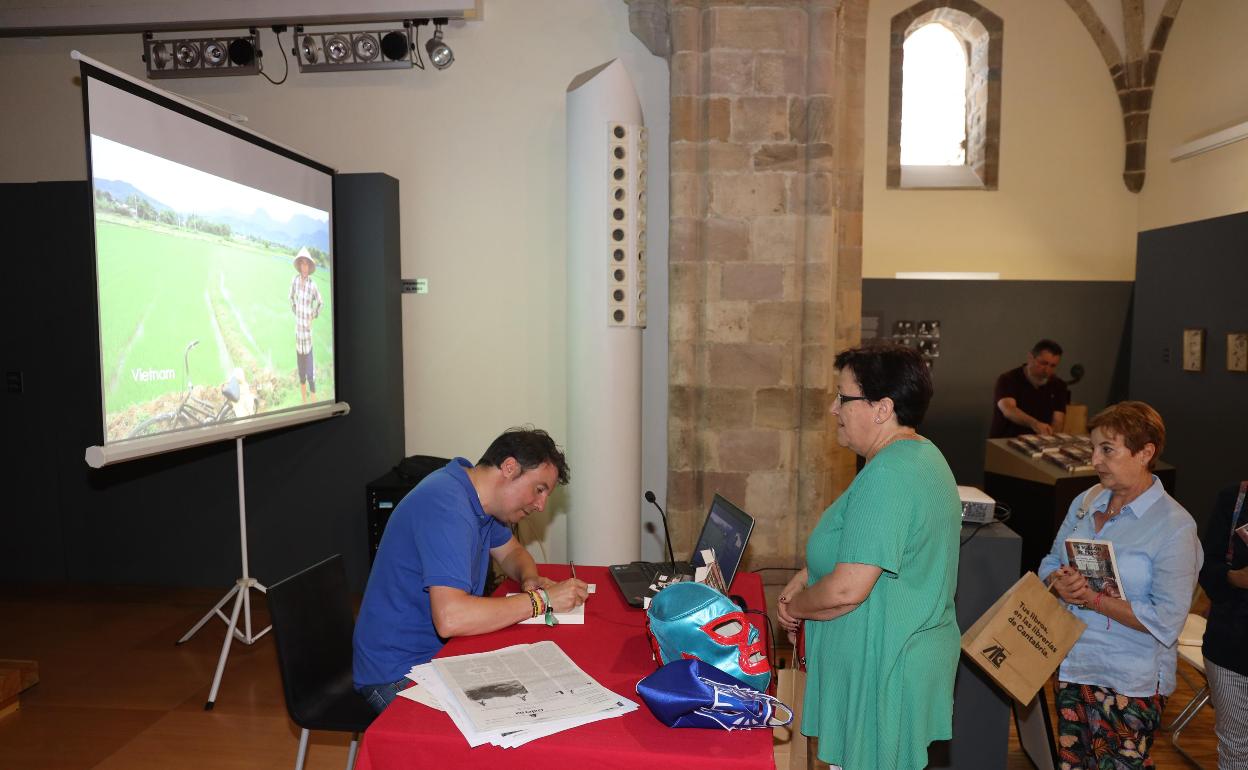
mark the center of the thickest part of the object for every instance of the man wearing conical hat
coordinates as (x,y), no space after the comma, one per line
(305,303)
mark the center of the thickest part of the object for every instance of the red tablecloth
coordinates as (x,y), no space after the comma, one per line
(611,647)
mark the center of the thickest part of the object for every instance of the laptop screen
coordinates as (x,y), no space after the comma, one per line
(727,530)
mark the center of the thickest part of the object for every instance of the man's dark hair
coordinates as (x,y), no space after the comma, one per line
(531,447)
(1046,344)
(891,371)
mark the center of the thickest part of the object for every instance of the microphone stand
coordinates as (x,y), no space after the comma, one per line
(667,535)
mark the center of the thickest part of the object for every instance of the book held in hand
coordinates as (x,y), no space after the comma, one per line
(1096,562)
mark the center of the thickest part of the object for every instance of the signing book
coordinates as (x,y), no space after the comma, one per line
(1096,562)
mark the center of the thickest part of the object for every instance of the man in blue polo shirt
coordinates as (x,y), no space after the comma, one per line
(429,575)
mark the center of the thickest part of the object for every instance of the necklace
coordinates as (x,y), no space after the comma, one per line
(898,436)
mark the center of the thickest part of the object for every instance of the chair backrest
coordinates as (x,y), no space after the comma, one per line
(312,627)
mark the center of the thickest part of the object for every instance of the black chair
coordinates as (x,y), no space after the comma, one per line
(312,626)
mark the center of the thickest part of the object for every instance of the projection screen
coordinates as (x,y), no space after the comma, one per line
(214,267)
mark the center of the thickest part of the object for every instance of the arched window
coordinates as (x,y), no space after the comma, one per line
(933,99)
(944,111)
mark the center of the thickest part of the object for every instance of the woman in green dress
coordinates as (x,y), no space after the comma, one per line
(876,596)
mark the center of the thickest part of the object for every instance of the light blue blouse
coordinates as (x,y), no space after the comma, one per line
(1159,556)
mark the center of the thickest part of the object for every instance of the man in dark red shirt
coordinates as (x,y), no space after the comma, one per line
(1030,399)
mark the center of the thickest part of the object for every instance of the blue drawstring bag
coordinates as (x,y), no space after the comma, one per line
(693,693)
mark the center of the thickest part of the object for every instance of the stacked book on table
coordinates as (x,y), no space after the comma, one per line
(511,696)
(1069,452)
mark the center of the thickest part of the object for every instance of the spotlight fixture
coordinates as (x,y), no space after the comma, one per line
(355,50)
(201,57)
(440,54)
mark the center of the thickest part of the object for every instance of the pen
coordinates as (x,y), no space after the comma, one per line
(573,566)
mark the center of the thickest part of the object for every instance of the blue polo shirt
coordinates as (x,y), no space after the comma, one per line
(1158,557)
(438,535)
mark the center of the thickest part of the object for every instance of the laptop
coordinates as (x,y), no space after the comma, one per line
(727,530)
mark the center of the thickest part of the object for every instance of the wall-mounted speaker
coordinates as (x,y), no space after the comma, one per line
(626,225)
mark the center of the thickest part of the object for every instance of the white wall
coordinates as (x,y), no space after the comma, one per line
(1061,211)
(1200,90)
(479,153)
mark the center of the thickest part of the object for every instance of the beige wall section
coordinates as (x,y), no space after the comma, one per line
(1061,213)
(479,153)
(1200,90)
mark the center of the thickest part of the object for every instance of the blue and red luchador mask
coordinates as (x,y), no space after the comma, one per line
(693,620)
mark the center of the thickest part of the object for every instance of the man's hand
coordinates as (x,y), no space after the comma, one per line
(1043,428)
(534,583)
(568,594)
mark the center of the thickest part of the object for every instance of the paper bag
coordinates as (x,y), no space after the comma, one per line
(788,744)
(1022,638)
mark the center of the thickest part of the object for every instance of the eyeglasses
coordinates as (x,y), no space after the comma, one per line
(841,400)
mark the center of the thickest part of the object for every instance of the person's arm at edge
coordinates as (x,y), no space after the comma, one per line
(838,593)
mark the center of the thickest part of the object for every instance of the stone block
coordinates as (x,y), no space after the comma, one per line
(682,362)
(682,405)
(816,365)
(741,196)
(718,119)
(778,322)
(821,73)
(684,118)
(727,322)
(760,118)
(752,281)
(727,157)
(748,450)
(686,283)
(683,322)
(727,408)
(686,28)
(686,73)
(820,119)
(771,495)
(731,485)
(730,72)
(684,240)
(727,240)
(776,239)
(682,448)
(779,157)
(757,29)
(798,118)
(779,74)
(685,157)
(686,195)
(747,365)
(776,408)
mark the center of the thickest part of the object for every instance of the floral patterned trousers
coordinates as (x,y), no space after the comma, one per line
(1098,729)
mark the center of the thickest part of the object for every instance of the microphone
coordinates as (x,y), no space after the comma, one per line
(666,534)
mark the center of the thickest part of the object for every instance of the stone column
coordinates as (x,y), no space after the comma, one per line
(765,258)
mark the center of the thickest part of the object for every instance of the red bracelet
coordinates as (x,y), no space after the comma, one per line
(1096,606)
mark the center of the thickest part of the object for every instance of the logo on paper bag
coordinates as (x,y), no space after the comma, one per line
(995,653)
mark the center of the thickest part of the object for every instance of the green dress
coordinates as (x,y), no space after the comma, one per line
(879,684)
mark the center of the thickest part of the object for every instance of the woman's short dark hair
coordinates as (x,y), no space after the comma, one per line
(891,371)
(531,447)
(1137,423)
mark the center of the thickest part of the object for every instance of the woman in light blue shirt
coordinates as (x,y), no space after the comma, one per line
(1112,687)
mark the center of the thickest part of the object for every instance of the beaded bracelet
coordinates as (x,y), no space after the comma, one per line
(536,600)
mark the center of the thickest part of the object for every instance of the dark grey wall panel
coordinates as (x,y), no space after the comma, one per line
(987,327)
(173,519)
(1194,276)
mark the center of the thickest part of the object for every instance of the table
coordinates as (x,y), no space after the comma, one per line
(612,648)
(1039,494)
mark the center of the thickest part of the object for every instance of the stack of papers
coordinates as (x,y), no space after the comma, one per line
(511,696)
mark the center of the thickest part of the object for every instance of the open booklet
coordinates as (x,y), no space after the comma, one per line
(1095,560)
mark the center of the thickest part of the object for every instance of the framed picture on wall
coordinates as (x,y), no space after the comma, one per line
(1237,352)
(1193,350)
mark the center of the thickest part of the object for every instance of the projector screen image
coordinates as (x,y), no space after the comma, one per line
(214,271)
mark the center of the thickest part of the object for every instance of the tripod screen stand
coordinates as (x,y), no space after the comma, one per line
(241,593)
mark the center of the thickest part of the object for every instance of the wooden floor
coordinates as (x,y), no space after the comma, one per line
(116,692)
